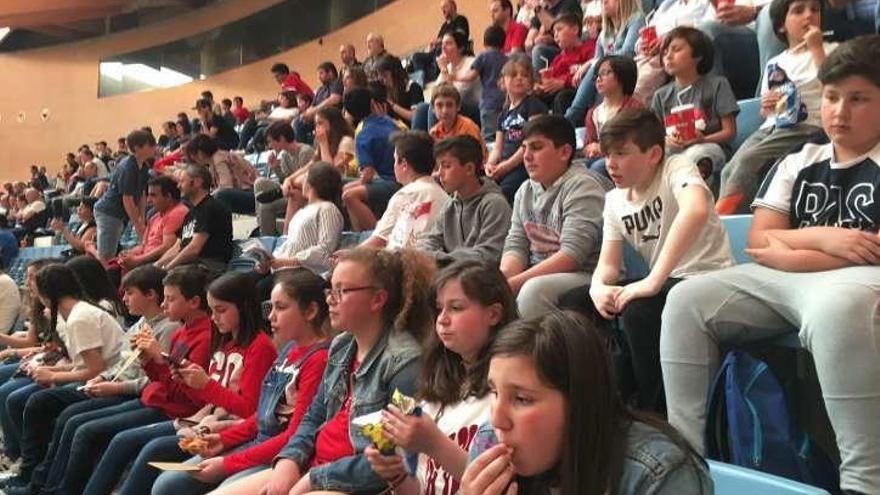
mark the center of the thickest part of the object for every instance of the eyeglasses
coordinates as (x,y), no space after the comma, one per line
(604,73)
(336,294)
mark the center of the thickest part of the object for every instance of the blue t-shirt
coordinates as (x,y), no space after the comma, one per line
(372,145)
(127,180)
(512,122)
(488,64)
(8,248)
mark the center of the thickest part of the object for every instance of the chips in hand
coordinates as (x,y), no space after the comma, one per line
(371,424)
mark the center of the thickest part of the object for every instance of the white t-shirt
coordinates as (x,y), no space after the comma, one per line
(10,302)
(280,113)
(411,213)
(801,71)
(645,223)
(89,327)
(459,422)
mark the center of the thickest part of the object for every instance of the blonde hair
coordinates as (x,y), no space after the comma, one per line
(625,9)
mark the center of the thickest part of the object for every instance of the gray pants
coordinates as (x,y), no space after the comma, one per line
(268,213)
(836,316)
(742,174)
(541,294)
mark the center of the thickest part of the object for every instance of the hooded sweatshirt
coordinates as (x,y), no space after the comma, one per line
(470,228)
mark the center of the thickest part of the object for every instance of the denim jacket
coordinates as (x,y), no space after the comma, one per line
(273,389)
(392,363)
(653,464)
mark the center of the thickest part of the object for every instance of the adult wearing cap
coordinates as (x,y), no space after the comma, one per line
(215,125)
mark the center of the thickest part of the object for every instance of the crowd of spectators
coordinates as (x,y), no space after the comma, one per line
(444,232)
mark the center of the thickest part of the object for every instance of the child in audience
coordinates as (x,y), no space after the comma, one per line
(92,339)
(555,230)
(663,209)
(561,426)
(615,81)
(476,218)
(473,304)
(20,344)
(487,66)
(367,197)
(379,300)
(334,140)
(687,57)
(142,289)
(414,208)
(298,320)
(556,84)
(446,103)
(314,231)
(232,176)
(164,398)
(241,354)
(621,22)
(790,99)
(505,163)
(816,272)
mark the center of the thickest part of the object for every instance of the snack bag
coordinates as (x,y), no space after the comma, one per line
(371,424)
(789,108)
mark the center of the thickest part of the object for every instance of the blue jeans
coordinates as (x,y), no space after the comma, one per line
(181,483)
(236,200)
(48,473)
(123,449)
(583,99)
(511,181)
(141,476)
(110,230)
(90,438)
(13,396)
(7,370)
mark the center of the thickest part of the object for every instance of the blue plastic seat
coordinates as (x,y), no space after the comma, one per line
(737,227)
(736,480)
(748,120)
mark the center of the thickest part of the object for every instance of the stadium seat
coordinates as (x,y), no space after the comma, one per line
(748,120)
(737,227)
(736,480)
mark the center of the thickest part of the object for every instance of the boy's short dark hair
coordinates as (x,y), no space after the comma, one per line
(856,57)
(146,278)
(191,281)
(238,99)
(139,138)
(328,66)
(203,103)
(570,19)
(280,68)
(167,185)
(306,97)
(281,130)
(202,142)
(226,101)
(778,12)
(207,94)
(639,125)
(700,43)
(417,148)
(466,149)
(494,37)
(356,102)
(556,128)
(446,90)
(625,71)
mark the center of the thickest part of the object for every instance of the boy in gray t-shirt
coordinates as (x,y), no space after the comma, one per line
(687,57)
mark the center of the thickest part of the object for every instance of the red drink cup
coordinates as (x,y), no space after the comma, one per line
(649,35)
(684,118)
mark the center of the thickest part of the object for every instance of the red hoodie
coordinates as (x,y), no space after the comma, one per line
(169,395)
(305,386)
(236,376)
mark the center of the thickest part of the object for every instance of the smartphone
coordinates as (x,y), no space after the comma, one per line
(175,361)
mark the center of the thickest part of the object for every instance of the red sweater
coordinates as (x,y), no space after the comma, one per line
(292,82)
(560,67)
(163,392)
(236,375)
(515,37)
(306,385)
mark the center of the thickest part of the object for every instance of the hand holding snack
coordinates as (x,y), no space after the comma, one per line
(193,375)
(413,432)
(194,445)
(211,471)
(490,473)
(388,467)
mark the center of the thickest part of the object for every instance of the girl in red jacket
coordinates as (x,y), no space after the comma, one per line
(299,324)
(241,354)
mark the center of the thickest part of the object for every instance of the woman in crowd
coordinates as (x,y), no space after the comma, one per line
(473,304)
(559,425)
(85,233)
(233,176)
(403,92)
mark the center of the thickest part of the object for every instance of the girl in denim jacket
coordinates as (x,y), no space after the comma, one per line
(560,427)
(473,303)
(379,301)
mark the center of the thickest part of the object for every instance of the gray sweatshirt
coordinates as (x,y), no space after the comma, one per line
(133,379)
(565,217)
(472,228)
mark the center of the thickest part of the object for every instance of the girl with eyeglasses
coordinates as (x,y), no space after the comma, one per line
(379,302)
(298,318)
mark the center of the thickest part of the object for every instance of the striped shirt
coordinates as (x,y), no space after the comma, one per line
(312,236)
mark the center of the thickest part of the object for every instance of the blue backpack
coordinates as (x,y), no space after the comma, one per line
(748,424)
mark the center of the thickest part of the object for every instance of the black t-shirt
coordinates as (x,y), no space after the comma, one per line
(211,217)
(563,7)
(227,138)
(512,121)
